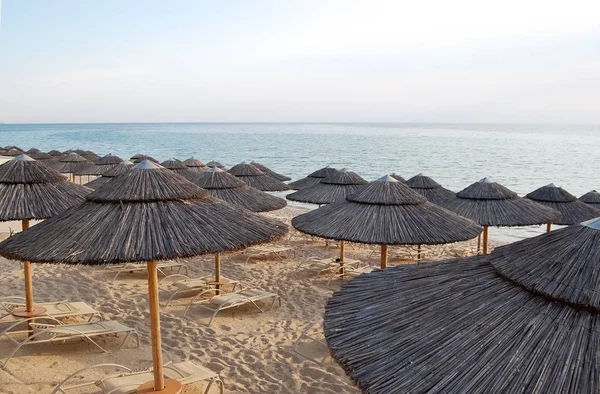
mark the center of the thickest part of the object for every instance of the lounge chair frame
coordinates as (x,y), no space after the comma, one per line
(118,269)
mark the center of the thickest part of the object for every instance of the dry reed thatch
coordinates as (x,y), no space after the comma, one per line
(592,198)
(31,190)
(70,163)
(148,213)
(14,152)
(32,150)
(213,163)
(174,165)
(195,165)
(333,188)
(270,172)
(40,156)
(141,157)
(398,177)
(108,160)
(116,170)
(55,153)
(313,178)
(227,187)
(457,327)
(572,210)
(9,147)
(101,165)
(386,212)
(255,178)
(430,189)
(491,204)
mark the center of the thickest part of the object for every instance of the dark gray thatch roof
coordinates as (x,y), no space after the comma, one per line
(31,190)
(270,172)
(213,163)
(313,178)
(70,163)
(572,210)
(148,213)
(195,165)
(333,188)
(255,178)
(397,177)
(386,212)
(40,156)
(140,157)
(14,152)
(108,159)
(55,153)
(430,189)
(457,327)
(227,187)
(491,204)
(32,150)
(174,165)
(114,171)
(97,183)
(591,198)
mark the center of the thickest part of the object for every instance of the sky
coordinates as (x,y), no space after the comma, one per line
(524,61)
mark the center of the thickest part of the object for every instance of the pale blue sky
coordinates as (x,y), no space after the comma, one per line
(303,60)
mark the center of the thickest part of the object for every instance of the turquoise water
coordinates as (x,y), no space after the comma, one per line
(522,157)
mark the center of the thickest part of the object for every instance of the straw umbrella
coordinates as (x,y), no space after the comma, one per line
(195,165)
(117,170)
(333,188)
(40,156)
(398,177)
(491,204)
(70,164)
(386,212)
(14,152)
(270,172)
(32,150)
(257,179)
(90,155)
(313,178)
(30,190)
(572,210)
(523,319)
(100,166)
(55,153)
(430,189)
(140,157)
(147,214)
(213,163)
(174,165)
(591,198)
(222,185)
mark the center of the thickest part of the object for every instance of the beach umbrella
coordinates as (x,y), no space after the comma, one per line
(195,165)
(90,155)
(100,166)
(145,215)
(9,147)
(591,198)
(523,319)
(270,172)
(32,150)
(333,188)
(55,153)
(397,177)
(116,170)
(30,190)
(3,152)
(14,152)
(313,178)
(430,189)
(222,185)
(40,156)
(140,157)
(257,179)
(491,204)
(572,210)
(213,163)
(174,165)
(386,212)
(70,164)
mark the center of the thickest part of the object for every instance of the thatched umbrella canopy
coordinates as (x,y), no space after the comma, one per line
(32,150)
(116,170)
(333,188)
(31,190)
(522,319)
(430,189)
(71,163)
(174,165)
(398,177)
(313,178)
(147,214)
(257,179)
(195,165)
(591,198)
(9,147)
(90,155)
(40,156)
(386,212)
(14,152)
(140,157)
(101,165)
(55,153)
(213,163)
(491,204)
(270,172)
(572,210)
(3,152)
(222,185)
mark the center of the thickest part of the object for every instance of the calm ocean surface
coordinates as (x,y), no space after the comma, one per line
(521,157)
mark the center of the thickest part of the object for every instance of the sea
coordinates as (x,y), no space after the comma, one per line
(521,157)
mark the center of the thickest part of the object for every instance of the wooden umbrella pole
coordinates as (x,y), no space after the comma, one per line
(159,379)
(342,258)
(384,256)
(478,243)
(28,275)
(548,227)
(419,252)
(485,239)
(217,271)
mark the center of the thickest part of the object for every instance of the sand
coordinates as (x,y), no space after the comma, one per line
(250,350)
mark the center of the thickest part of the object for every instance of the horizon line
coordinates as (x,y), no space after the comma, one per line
(314,122)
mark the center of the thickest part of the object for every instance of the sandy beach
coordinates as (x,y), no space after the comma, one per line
(251,351)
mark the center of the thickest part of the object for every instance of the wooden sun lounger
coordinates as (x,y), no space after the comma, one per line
(54,310)
(267,250)
(188,285)
(304,335)
(48,333)
(329,264)
(346,272)
(234,300)
(118,269)
(185,372)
